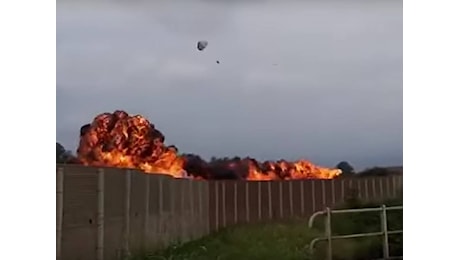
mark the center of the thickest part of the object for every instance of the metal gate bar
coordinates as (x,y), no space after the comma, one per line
(328,232)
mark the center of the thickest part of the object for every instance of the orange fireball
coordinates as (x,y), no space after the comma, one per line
(120,140)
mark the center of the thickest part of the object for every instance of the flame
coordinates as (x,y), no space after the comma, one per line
(301,169)
(120,140)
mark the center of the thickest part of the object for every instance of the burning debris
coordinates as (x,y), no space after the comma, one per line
(120,140)
(201,45)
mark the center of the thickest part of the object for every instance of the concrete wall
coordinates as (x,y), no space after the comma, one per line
(234,202)
(106,213)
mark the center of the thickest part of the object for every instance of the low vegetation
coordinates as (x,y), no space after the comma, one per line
(290,239)
(352,223)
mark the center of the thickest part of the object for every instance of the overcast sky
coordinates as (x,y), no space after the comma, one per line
(315,81)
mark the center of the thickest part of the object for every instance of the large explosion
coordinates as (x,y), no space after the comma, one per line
(120,140)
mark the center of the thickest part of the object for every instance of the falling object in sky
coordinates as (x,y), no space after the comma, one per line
(201,45)
(218,62)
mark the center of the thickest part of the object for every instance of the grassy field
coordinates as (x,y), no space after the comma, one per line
(289,239)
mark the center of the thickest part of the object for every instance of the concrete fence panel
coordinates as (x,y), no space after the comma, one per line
(114,213)
(109,213)
(79,213)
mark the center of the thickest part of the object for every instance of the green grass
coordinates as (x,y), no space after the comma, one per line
(285,240)
(290,239)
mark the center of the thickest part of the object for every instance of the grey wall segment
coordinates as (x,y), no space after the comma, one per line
(144,212)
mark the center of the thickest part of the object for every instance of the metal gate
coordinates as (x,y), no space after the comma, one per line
(328,232)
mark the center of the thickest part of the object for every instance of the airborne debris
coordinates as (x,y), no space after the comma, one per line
(201,45)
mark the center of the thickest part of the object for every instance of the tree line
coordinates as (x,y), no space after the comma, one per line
(64,156)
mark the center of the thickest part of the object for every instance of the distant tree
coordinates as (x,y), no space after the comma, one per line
(60,151)
(236,159)
(375,171)
(346,168)
(62,155)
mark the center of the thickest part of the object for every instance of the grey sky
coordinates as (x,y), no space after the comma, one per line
(334,94)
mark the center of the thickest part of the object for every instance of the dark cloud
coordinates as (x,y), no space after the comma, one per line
(335,94)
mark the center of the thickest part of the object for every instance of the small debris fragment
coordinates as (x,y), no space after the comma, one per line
(201,45)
